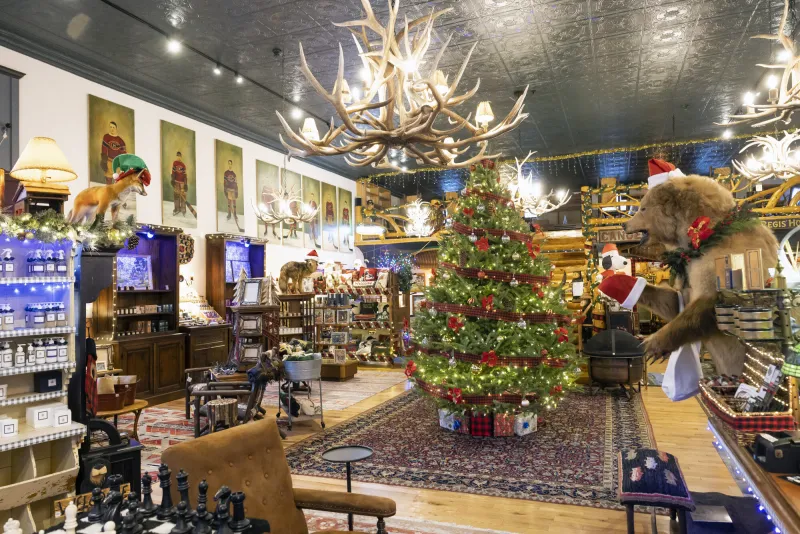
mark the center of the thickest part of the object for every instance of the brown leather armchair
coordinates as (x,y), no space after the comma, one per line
(250,458)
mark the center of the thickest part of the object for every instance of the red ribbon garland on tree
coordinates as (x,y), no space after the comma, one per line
(491,196)
(469,230)
(498,276)
(474,311)
(502,361)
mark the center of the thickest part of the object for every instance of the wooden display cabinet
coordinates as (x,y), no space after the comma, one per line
(297,317)
(206,345)
(142,323)
(223,251)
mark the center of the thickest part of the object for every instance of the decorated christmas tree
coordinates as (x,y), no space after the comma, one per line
(491,335)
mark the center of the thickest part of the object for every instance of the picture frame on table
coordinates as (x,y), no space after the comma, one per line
(101,366)
(343,316)
(251,353)
(339,356)
(329,316)
(339,338)
(104,356)
(249,324)
(252,292)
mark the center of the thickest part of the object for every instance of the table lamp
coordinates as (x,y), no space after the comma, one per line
(39,169)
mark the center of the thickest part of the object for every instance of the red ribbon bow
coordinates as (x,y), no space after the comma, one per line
(411,368)
(469,212)
(489,358)
(482,244)
(454,324)
(487,303)
(700,230)
(533,250)
(555,390)
(454,395)
(536,228)
(562,333)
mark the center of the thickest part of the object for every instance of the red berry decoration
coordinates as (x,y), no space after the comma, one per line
(481,275)
(544,352)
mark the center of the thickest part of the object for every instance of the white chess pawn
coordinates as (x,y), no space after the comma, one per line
(71,514)
(109,527)
(12,527)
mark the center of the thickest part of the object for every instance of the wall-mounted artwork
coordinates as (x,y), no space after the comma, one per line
(112,131)
(330,225)
(178,176)
(230,193)
(135,270)
(345,216)
(292,186)
(311,197)
(268,178)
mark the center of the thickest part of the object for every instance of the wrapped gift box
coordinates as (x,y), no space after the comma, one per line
(446,419)
(503,424)
(524,424)
(481,424)
(461,423)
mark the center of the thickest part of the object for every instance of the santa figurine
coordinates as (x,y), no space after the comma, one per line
(611,261)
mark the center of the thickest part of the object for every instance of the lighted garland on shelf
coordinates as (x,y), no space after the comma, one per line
(51,227)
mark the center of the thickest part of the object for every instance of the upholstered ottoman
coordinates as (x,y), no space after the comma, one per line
(653,478)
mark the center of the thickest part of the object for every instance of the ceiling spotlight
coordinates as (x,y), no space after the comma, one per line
(174,46)
(295,98)
(297,113)
(727,134)
(239,78)
(217,70)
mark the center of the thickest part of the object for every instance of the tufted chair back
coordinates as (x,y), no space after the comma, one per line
(248,458)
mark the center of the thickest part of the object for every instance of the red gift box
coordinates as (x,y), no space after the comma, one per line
(481,424)
(503,424)
(461,423)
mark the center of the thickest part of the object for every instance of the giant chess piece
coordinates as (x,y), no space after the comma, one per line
(166,511)
(112,507)
(96,513)
(239,523)
(202,498)
(183,488)
(182,524)
(128,525)
(138,518)
(71,514)
(114,482)
(202,518)
(222,514)
(148,508)
(133,506)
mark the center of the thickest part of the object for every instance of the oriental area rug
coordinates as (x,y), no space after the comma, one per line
(570,459)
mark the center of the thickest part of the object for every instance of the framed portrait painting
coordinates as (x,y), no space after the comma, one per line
(268,186)
(311,198)
(345,215)
(330,225)
(112,132)
(228,176)
(178,176)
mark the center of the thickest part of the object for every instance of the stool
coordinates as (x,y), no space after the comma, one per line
(652,478)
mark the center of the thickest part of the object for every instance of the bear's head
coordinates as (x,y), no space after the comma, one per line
(667,210)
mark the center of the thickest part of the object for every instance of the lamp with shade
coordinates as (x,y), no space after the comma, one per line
(41,170)
(484,115)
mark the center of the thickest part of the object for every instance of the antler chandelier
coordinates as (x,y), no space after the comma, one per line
(784,92)
(778,159)
(286,206)
(398,106)
(419,219)
(527,193)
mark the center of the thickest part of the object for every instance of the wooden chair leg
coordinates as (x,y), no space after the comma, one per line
(197,417)
(381,526)
(629,516)
(682,525)
(188,414)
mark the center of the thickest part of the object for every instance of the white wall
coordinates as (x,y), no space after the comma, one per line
(54,103)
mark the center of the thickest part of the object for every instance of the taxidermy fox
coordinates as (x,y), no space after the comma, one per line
(132,176)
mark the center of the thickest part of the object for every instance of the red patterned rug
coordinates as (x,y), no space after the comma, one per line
(571,459)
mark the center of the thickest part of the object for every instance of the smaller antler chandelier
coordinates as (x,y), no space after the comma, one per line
(283,206)
(420,219)
(398,105)
(778,159)
(527,193)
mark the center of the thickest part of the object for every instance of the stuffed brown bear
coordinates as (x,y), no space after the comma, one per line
(665,214)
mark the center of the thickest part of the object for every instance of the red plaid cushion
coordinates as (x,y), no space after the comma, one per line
(481,425)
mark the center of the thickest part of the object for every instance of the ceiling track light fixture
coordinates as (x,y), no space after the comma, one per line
(784,92)
(398,104)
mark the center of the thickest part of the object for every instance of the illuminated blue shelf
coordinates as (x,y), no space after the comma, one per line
(37,280)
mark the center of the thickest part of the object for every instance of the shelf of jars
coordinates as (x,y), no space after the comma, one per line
(38,439)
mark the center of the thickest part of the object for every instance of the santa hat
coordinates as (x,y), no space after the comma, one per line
(661,171)
(610,250)
(312,255)
(623,288)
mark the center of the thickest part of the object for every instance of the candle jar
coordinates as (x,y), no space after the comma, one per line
(35,316)
(61,315)
(35,263)
(49,315)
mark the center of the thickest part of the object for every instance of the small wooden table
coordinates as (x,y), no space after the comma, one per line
(235,377)
(135,408)
(339,371)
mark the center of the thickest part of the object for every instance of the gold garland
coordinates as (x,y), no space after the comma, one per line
(373,177)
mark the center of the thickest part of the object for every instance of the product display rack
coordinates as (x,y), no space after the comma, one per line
(358,330)
(297,317)
(140,319)
(222,253)
(37,465)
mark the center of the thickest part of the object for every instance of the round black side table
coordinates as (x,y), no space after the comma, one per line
(347,454)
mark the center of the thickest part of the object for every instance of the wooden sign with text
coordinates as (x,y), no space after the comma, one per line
(618,235)
(782,224)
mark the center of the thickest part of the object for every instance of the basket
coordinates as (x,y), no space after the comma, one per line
(128,391)
(110,402)
(297,371)
(744,427)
